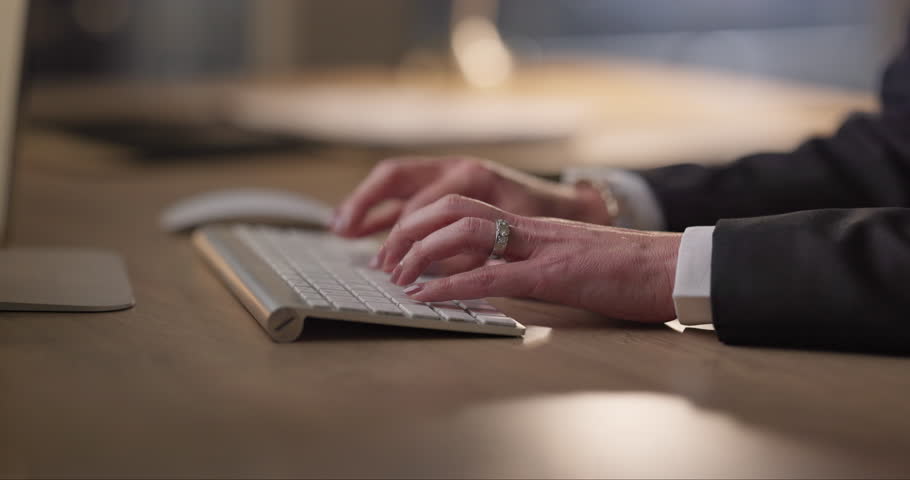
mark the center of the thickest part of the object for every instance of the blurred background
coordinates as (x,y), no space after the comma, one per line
(808,40)
(629,82)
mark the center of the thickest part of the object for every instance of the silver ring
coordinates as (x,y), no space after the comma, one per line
(501,241)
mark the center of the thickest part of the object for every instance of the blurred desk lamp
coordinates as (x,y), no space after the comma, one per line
(44,279)
(480,55)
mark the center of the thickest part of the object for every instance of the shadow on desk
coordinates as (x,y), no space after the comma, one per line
(540,318)
(322,330)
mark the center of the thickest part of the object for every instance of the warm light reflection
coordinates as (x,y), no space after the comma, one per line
(628,434)
(536,336)
(481,56)
(679,327)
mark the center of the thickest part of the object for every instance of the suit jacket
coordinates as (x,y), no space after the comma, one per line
(811,247)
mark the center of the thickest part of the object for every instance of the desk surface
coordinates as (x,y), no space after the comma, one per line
(187,384)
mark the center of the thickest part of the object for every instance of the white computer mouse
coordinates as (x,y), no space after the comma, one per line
(246,205)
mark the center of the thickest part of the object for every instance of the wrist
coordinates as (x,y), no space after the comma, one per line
(666,256)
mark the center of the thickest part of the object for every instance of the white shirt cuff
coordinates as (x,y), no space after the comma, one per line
(692,289)
(640,210)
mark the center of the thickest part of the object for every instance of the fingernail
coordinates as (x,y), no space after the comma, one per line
(374,262)
(413,289)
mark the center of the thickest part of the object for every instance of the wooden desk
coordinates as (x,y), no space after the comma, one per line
(186,384)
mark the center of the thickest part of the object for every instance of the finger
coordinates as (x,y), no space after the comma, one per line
(380,219)
(379,260)
(392,178)
(448,266)
(432,217)
(519,279)
(456,180)
(468,235)
(456,264)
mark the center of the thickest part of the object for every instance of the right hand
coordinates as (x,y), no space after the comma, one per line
(410,183)
(616,272)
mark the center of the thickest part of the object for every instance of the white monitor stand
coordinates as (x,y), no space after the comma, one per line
(44,279)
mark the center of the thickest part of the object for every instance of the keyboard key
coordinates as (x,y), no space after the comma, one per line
(331,288)
(497,320)
(369,295)
(317,302)
(307,293)
(495,313)
(457,315)
(349,277)
(379,301)
(409,301)
(453,312)
(321,279)
(476,303)
(400,297)
(449,304)
(370,273)
(350,305)
(341,297)
(486,311)
(419,311)
(385,308)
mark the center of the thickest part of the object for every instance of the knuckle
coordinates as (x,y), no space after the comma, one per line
(481,170)
(553,265)
(452,200)
(416,249)
(485,279)
(469,163)
(443,284)
(397,236)
(547,268)
(474,169)
(469,225)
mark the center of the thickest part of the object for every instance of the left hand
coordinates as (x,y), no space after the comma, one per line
(405,184)
(619,273)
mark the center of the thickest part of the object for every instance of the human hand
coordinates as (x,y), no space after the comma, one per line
(619,273)
(414,182)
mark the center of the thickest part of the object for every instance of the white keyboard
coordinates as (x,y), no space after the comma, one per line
(324,276)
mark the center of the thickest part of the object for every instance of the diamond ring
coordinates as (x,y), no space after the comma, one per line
(501,241)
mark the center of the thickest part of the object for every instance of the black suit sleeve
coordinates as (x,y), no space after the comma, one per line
(836,273)
(866,163)
(831,279)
